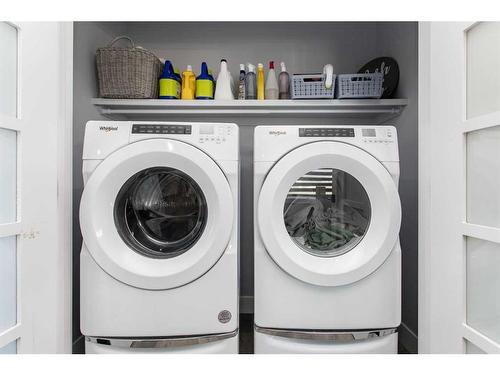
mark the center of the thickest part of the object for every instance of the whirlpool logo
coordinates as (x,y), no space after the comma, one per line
(277,132)
(108,129)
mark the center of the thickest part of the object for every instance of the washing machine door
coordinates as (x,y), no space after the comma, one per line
(157,214)
(329,213)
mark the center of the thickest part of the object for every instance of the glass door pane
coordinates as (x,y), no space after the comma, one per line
(8,284)
(483,75)
(483,177)
(10,348)
(470,348)
(8,70)
(8,179)
(483,285)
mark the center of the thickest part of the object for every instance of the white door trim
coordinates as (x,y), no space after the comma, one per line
(65,187)
(424,185)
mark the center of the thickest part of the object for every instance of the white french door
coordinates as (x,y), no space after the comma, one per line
(34,264)
(459,99)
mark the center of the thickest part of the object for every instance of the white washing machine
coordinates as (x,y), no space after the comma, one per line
(159,219)
(327,253)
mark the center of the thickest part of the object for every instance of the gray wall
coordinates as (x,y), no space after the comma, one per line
(87,37)
(305,47)
(400,40)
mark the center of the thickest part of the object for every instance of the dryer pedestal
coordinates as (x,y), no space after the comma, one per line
(271,344)
(212,344)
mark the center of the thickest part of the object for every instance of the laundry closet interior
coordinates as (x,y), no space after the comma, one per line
(305,47)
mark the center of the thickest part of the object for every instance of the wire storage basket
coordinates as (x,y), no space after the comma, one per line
(362,85)
(311,86)
(127,72)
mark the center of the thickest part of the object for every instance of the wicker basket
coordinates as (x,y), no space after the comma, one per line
(127,73)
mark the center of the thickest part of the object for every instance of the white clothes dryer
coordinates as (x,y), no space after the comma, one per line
(159,219)
(327,253)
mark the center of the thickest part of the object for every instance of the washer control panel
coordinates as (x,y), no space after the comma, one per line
(377,135)
(326,132)
(160,129)
(214,133)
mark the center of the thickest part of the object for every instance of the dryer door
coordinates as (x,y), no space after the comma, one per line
(157,214)
(329,213)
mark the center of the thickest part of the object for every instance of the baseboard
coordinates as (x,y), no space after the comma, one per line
(246,304)
(408,339)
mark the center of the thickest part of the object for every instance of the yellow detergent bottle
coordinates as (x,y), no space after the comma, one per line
(188,83)
(260,82)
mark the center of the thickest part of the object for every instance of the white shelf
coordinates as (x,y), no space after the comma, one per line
(379,110)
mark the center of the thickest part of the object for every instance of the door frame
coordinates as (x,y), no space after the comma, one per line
(424,185)
(65,188)
(440,295)
(44,260)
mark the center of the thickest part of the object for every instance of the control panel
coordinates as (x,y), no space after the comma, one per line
(326,132)
(160,129)
(377,135)
(214,133)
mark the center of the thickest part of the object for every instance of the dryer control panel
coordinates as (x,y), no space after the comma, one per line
(160,129)
(326,132)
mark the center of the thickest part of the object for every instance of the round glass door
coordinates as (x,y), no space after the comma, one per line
(327,212)
(160,212)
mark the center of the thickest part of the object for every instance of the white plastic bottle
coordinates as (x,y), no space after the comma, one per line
(223,89)
(272,91)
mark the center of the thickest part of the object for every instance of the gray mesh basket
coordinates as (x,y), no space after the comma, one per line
(127,73)
(362,85)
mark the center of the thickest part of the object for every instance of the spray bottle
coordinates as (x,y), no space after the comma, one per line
(241,83)
(224,88)
(272,91)
(250,83)
(284,82)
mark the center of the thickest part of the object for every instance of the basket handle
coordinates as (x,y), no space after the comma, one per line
(122,37)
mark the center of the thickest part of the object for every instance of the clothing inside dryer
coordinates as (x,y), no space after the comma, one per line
(160,212)
(327,212)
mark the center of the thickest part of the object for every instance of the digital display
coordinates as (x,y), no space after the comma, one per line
(160,129)
(368,133)
(326,132)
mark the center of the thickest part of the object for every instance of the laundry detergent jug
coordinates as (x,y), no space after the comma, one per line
(170,82)
(204,84)
(188,83)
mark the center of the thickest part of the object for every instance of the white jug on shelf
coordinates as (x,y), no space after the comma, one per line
(224,87)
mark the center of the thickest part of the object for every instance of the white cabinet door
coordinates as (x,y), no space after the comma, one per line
(34,278)
(459,99)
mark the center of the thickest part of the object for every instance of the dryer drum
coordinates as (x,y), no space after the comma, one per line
(160,212)
(327,212)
